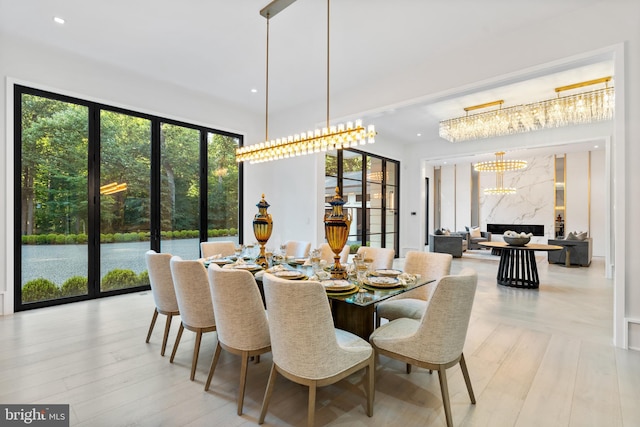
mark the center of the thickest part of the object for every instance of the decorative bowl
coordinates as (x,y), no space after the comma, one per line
(516,241)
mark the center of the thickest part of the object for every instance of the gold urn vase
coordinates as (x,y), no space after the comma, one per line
(262,226)
(336,229)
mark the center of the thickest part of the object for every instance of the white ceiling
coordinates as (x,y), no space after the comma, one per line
(218,47)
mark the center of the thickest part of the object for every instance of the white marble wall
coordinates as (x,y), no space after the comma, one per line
(532,203)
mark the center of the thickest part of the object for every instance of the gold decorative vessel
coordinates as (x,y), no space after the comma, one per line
(262,227)
(336,229)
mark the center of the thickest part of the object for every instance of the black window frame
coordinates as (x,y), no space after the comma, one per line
(362,234)
(93,170)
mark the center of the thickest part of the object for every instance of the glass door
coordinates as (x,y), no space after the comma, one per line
(125,165)
(222,187)
(51,256)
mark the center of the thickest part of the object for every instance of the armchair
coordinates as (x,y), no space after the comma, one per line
(474,240)
(453,244)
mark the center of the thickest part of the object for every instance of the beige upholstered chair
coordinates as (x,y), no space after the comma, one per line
(241,320)
(382,257)
(429,265)
(223,248)
(327,254)
(306,347)
(437,340)
(297,248)
(194,300)
(163,292)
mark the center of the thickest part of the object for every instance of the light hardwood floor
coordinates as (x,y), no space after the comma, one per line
(536,358)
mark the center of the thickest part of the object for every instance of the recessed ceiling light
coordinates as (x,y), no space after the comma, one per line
(595,146)
(419,134)
(58,20)
(254,90)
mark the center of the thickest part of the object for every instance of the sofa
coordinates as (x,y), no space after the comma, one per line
(454,244)
(580,251)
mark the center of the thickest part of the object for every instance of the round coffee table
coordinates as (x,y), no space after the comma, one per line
(518,266)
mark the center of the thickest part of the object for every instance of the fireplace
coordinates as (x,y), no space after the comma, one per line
(535,229)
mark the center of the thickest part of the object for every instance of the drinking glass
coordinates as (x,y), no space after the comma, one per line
(238,250)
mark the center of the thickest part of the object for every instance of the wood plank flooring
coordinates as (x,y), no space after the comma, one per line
(536,358)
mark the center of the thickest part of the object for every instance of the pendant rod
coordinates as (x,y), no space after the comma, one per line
(266,91)
(328,19)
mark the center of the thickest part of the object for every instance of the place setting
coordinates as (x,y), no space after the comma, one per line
(339,287)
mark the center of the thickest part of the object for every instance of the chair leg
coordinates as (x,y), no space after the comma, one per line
(267,393)
(408,368)
(153,323)
(243,380)
(377,321)
(371,374)
(214,362)
(444,389)
(167,326)
(312,404)
(256,359)
(175,345)
(467,380)
(196,351)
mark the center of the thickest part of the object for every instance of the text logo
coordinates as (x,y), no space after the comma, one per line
(34,415)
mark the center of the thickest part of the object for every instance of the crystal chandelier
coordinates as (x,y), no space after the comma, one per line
(578,108)
(314,141)
(500,166)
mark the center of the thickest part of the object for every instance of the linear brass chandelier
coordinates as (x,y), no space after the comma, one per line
(329,137)
(585,107)
(500,166)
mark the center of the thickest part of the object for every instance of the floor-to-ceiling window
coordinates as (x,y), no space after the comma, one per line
(369,185)
(125,168)
(97,186)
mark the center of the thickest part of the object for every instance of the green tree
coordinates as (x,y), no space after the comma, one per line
(222,182)
(54,164)
(180,177)
(125,158)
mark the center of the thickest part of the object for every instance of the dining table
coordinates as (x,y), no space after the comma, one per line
(352,301)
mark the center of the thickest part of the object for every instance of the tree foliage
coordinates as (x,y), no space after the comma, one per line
(54,155)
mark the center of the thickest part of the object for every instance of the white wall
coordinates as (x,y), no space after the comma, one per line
(448,197)
(598,225)
(577,192)
(463,196)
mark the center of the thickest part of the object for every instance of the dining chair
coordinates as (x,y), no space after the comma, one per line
(307,349)
(327,254)
(412,304)
(436,341)
(164,294)
(382,257)
(297,248)
(241,320)
(222,248)
(194,300)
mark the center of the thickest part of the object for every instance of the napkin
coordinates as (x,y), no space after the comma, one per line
(276,268)
(406,278)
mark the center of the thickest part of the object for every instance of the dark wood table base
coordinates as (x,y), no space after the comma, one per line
(518,266)
(518,269)
(356,319)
